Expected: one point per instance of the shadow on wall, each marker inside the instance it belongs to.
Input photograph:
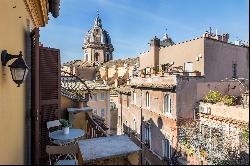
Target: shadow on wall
(152, 152)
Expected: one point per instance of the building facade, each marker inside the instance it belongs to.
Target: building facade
(98, 96)
(172, 81)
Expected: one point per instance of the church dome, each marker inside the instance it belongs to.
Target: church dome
(97, 34)
(166, 41)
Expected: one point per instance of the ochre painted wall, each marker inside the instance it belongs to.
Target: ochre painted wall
(66, 103)
(13, 38)
(179, 54)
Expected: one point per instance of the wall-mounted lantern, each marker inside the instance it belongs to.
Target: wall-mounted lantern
(18, 68)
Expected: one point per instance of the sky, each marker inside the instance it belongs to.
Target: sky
(133, 23)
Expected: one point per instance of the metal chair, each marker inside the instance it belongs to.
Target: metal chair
(53, 124)
(62, 155)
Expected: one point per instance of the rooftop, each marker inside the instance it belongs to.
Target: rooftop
(168, 82)
(236, 114)
(69, 83)
(121, 62)
(124, 89)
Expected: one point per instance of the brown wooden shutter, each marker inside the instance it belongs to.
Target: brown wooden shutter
(50, 92)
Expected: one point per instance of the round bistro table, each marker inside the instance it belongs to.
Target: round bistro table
(74, 134)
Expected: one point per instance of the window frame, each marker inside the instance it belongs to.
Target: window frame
(234, 70)
(134, 98)
(165, 153)
(148, 134)
(102, 96)
(134, 125)
(128, 102)
(147, 100)
(103, 110)
(94, 97)
(169, 105)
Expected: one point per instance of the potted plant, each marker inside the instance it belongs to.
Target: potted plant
(197, 73)
(65, 125)
(213, 97)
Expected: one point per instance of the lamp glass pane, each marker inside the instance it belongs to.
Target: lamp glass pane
(25, 75)
(18, 73)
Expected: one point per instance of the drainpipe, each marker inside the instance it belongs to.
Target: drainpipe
(121, 112)
(141, 126)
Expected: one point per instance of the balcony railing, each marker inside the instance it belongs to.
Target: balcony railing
(93, 129)
(147, 153)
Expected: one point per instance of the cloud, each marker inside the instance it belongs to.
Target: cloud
(126, 9)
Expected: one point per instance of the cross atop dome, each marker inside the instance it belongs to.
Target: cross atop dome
(98, 21)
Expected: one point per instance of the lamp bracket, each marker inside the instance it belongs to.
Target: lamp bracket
(5, 57)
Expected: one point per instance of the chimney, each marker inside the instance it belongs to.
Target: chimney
(155, 48)
(225, 37)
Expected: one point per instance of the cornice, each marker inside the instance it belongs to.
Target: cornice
(38, 11)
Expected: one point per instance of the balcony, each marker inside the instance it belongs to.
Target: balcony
(237, 112)
(147, 153)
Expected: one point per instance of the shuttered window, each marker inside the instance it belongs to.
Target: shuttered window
(167, 148)
(50, 91)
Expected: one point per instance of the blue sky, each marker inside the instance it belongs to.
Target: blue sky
(132, 23)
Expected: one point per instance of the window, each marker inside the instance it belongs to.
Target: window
(119, 120)
(103, 113)
(167, 148)
(102, 96)
(87, 57)
(94, 110)
(134, 97)
(147, 100)
(107, 58)
(134, 125)
(96, 57)
(148, 135)
(234, 67)
(128, 101)
(167, 104)
(94, 97)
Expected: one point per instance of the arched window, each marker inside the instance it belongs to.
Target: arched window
(96, 57)
(147, 100)
(87, 57)
(107, 57)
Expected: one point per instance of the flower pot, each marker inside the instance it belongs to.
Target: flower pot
(66, 130)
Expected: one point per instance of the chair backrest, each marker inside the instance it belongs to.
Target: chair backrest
(54, 123)
(66, 149)
(67, 152)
